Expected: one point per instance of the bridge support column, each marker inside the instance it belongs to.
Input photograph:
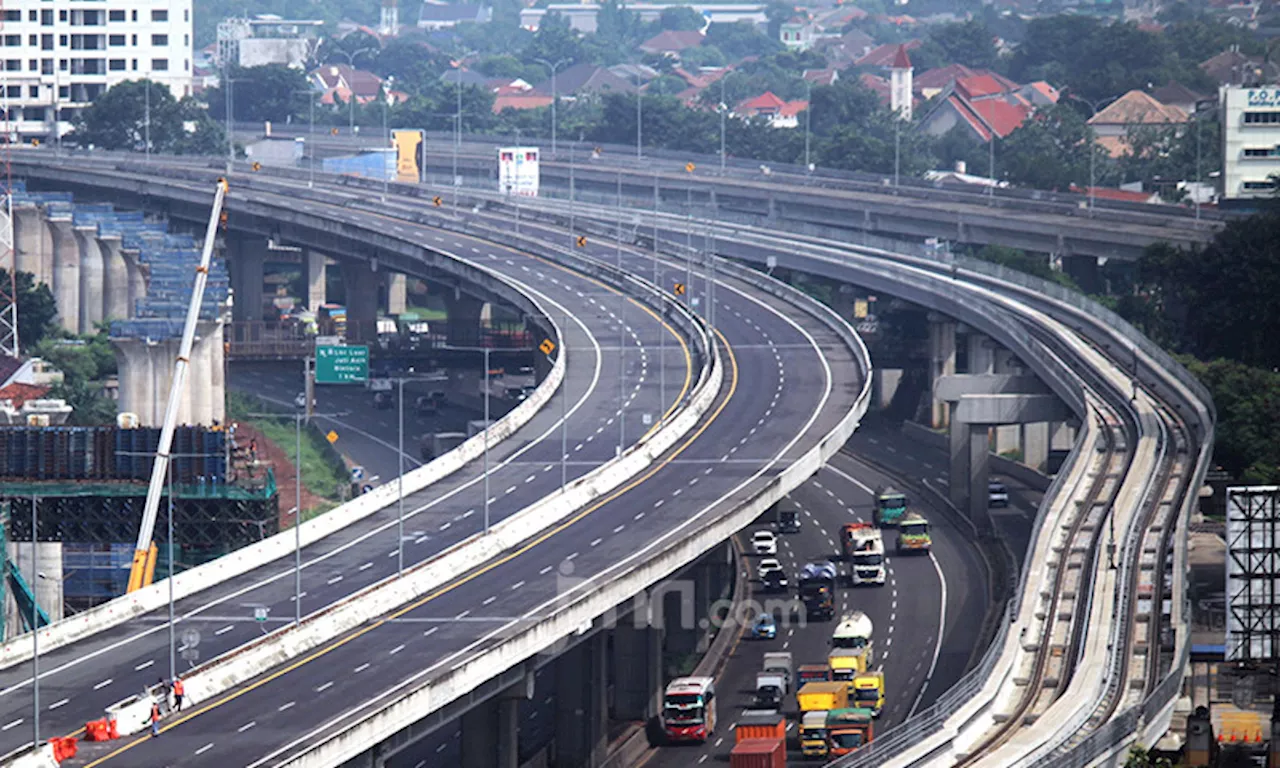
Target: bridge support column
(137, 278)
(397, 292)
(581, 705)
(247, 263)
(66, 273)
(463, 323)
(1035, 445)
(490, 735)
(92, 278)
(31, 250)
(316, 274)
(362, 300)
(637, 668)
(1008, 436)
(115, 281)
(981, 351)
(942, 362)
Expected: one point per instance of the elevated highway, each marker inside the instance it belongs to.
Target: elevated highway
(994, 303)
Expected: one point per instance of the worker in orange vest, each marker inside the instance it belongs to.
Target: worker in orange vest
(155, 719)
(178, 692)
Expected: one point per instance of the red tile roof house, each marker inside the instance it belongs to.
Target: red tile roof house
(671, 42)
(882, 56)
(977, 110)
(779, 113)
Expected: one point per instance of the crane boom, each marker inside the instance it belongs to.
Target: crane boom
(143, 557)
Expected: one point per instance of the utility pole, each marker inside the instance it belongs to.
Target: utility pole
(554, 96)
(147, 124)
(486, 437)
(622, 332)
(808, 121)
(991, 169)
(724, 109)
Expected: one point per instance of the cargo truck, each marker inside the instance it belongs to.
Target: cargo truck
(770, 688)
(913, 535)
(868, 691)
(817, 590)
(848, 729)
(816, 696)
(813, 733)
(812, 673)
(761, 724)
(891, 507)
(864, 548)
(689, 709)
(852, 640)
(759, 753)
(779, 662)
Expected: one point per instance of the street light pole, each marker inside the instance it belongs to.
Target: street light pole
(231, 146)
(573, 147)
(173, 661)
(147, 125)
(386, 138)
(808, 120)
(400, 487)
(622, 333)
(991, 169)
(35, 628)
(724, 110)
(554, 96)
(297, 517)
(564, 415)
(662, 332)
(897, 147)
(457, 139)
(486, 438)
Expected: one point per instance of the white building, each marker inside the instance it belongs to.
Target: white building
(582, 16)
(61, 54)
(1250, 140)
(267, 39)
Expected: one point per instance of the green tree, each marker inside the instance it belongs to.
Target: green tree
(1158, 156)
(36, 308)
(554, 40)
(117, 120)
(1014, 258)
(970, 43)
(1050, 151)
(740, 39)
(358, 49)
(1094, 59)
(1140, 758)
(681, 18)
(270, 92)
(619, 28)
(85, 361)
(778, 13)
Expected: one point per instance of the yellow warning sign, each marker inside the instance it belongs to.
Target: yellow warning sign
(547, 346)
(256, 166)
(332, 437)
(679, 289)
(581, 241)
(437, 201)
(689, 167)
(860, 308)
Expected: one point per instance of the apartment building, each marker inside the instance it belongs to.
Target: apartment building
(59, 55)
(1250, 140)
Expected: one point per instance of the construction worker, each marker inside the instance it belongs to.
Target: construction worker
(178, 692)
(155, 719)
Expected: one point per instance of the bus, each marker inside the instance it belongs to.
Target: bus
(689, 709)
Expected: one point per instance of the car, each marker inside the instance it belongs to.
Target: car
(766, 565)
(997, 494)
(775, 581)
(764, 628)
(764, 543)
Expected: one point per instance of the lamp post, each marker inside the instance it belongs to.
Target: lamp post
(486, 437)
(351, 99)
(386, 138)
(724, 110)
(991, 168)
(622, 332)
(311, 132)
(554, 96)
(457, 139)
(35, 627)
(1094, 107)
(146, 140)
(808, 120)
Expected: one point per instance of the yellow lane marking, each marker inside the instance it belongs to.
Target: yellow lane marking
(733, 388)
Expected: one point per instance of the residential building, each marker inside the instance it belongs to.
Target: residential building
(798, 33)
(1039, 94)
(1250, 140)
(934, 81)
(827, 76)
(267, 39)
(582, 79)
(337, 83)
(670, 42)
(841, 52)
(1134, 109)
(1231, 67)
(436, 15)
(767, 106)
(519, 101)
(582, 16)
(980, 119)
(1175, 94)
(882, 56)
(63, 54)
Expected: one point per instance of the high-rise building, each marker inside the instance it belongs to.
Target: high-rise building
(1250, 140)
(59, 55)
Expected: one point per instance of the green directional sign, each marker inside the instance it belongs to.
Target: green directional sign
(342, 364)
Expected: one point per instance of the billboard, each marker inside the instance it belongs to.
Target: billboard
(1253, 573)
(411, 154)
(518, 171)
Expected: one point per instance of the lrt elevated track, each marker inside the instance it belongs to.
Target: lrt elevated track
(1078, 669)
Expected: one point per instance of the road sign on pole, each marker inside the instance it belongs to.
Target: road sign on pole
(342, 364)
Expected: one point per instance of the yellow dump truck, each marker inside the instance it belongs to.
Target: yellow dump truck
(818, 696)
(813, 733)
(868, 691)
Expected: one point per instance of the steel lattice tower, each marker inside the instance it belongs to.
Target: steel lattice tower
(8, 255)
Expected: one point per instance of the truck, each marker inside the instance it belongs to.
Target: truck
(817, 590)
(812, 673)
(689, 709)
(788, 516)
(868, 691)
(851, 640)
(913, 534)
(813, 733)
(848, 729)
(891, 507)
(761, 724)
(816, 696)
(770, 688)
(779, 662)
(864, 547)
(759, 753)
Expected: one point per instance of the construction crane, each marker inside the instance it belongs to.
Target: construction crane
(144, 555)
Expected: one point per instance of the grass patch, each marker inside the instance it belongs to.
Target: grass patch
(429, 314)
(318, 475)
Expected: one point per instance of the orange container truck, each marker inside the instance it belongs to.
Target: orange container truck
(759, 753)
(761, 724)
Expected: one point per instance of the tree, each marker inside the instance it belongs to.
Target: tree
(1095, 60)
(118, 120)
(358, 49)
(1020, 260)
(740, 39)
(680, 18)
(554, 40)
(1160, 156)
(270, 92)
(778, 13)
(1050, 150)
(36, 308)
(970, 43)
(85, 362)
(617, 27)
(1140, 758)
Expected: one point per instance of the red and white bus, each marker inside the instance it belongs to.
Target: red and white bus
(689, 709)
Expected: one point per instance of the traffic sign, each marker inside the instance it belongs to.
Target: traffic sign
(332, 437)
(357, 473)
(347, 364)
(437, 201)
(679, 289)
(260, 613)
(581, 241)
(689, 167)
(547, 346)
(257, 166)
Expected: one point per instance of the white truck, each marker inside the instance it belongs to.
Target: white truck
(780, 663)
(866, 554)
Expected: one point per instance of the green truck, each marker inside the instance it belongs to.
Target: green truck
(913, 535)
(848, 729)
(891, 507)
